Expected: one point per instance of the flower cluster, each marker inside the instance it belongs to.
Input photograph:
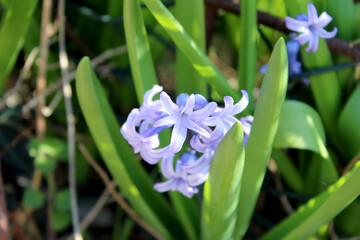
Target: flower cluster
(191, 116)
(311, 27)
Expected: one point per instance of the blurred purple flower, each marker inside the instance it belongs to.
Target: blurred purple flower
(311, 28)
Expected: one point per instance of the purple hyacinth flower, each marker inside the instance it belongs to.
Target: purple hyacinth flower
(180, 180)
(150, 111)
(223, 118)
(312, 28)
(144, 142)
(183, 117)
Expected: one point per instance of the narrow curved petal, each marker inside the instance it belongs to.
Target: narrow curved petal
(296, 25)
(196, 144)
(167, 166)
(211, 121)
(304, 37)
(166, 121)
(164, 186)
(229, 102)
(196, 128)
(189, 107)
(197, 179)
(178, 137)
(204, 112)
(200, 164)
(313, 44)
(325, 34)
(242, 104)
(186, 190)
(324, 20)
(312, 14)
(149, 95)
(168, 104)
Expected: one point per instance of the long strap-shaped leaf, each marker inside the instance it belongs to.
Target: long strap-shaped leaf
(12, 32)
(144, 78)
(221, 191)
(132, 179)
(318, 211)
(190, 13)
(247, 53)
(197, 57)
(142, 66)
(259, 145)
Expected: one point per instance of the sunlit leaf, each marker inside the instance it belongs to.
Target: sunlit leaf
(319, 210)
(264, 127)
(222, 189)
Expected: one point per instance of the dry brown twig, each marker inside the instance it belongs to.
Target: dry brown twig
(70, 77)
(278, 185)
(70, 119)
(115, 194)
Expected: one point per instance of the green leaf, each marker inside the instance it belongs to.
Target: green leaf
(51, 147)
(247, 51)
(33, 198)
(349, 124)
(142, 67)
(320, 210)
(13, 29)
(222, 189)
(190, 14)
(124, 167)
(263, 130)
(44, 163)
(62, 200)
(60, 220)
(300, 127)
(194, 54)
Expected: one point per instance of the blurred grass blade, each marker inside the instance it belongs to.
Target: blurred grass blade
(12, 33)
(132, 179)
(247, 54)
(349, 124)
(190, 13)
(221, 191)
(183, 41)
(142, 66)
(320, 210)
(288, 170)
(264, 127)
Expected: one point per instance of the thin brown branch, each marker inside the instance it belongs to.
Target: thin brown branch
(70, 119)
(351, 164)
(105, 178)
(336, 45)
(16, 140)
